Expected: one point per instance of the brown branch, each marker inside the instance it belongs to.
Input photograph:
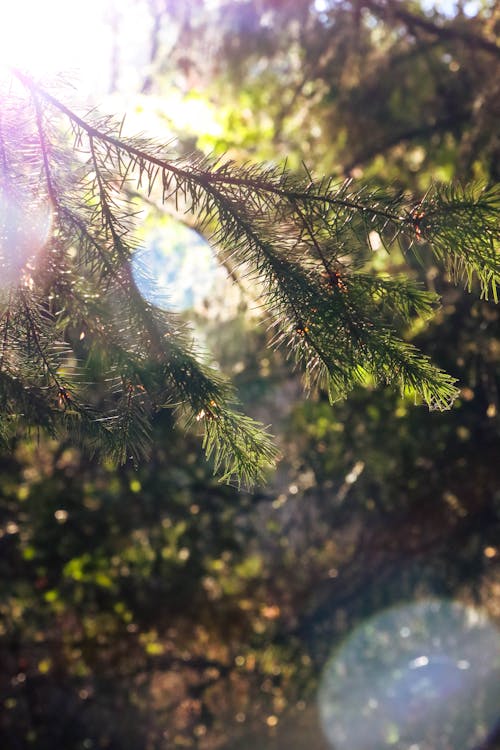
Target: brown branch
(389, 9)
(411, 134)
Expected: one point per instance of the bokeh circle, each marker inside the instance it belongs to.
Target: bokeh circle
(419, 676)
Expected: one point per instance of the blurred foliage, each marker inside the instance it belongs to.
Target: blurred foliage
(155, 608)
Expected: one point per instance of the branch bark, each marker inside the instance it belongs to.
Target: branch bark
(386, 9)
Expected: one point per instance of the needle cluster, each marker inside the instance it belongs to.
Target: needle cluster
(81, 350)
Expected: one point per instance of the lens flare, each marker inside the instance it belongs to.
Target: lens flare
(423, 676)
(24, 230)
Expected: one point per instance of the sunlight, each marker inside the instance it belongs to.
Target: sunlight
(55, 37)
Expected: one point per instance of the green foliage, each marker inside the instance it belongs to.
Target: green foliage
(471, 213)
(73, 317)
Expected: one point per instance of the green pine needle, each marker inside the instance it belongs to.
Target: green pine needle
(81, 351)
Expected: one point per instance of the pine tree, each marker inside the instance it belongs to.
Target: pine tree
(83, 353)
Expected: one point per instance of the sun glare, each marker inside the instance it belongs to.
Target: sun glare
(55, 36)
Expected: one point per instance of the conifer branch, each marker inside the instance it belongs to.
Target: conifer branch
(305, 241)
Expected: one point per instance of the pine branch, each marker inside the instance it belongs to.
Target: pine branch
(305, 241)
(462, 226)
